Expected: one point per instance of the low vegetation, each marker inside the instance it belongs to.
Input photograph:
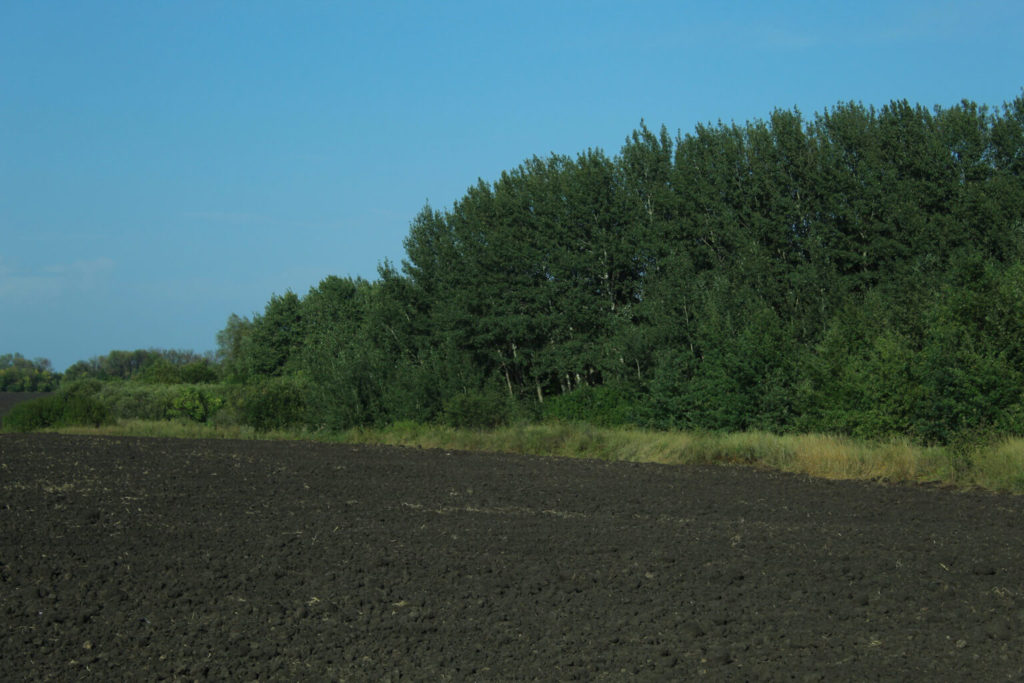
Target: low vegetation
(59, 410)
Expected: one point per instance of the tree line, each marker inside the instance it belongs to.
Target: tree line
(152, 366)
(18, 373)
(858, 272)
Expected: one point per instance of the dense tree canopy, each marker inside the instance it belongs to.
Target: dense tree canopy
(18, 373)
(859, 272)
(165, 366)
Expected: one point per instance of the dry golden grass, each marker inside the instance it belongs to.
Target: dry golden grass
(998, 467)
(1001, 466)
(838, 457)
(818, 455)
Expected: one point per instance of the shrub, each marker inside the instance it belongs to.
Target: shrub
(138, 401)
(966, 446)
(60, 410)
(199, 372)
(605, 406)
(84, 411)
(29, 416)
(272, 404)
(160, 371)
(485, 409)
(82, 387)
(194, 403)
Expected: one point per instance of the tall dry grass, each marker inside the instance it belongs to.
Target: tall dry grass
(1000, 467)
(996, 467)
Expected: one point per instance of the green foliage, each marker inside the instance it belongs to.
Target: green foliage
(856, 272)
(85, 411)
(968, 449)
(272, 404)
(160, 372)
(33, 415)
(273, 340)
(194, 404)
(59, 410)
(485, 409)
(138, 400)
(18, 373)
(605, 406)
(156, 366)
(82, 387)
(199, 372)
(231, 345)
(163, 371)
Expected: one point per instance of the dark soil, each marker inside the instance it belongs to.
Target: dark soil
(156, 559)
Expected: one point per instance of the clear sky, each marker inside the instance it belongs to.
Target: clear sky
(165, 164)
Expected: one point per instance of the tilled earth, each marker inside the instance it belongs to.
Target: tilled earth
(158, 559)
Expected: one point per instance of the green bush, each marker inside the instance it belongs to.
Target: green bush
(194, 403)
(159, 371)
(82, 387)
(966, 446)
(60, 410)
(162, 371)
(604, 406)
(29, 416)
(140, 400)
(483, 410)
(199, 372)
(84, 411)
(272, 404)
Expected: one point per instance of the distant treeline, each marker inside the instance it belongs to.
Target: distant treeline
(18, 373)
(153, 366)
(858, 272)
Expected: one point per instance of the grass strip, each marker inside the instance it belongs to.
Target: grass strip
(994, 466)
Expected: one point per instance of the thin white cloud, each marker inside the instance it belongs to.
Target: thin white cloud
(955, 22)
(18, 287)
(48, 282)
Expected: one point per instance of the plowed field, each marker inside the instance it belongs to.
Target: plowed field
(154, 559)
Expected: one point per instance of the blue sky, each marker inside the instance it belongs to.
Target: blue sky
(165, 164)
